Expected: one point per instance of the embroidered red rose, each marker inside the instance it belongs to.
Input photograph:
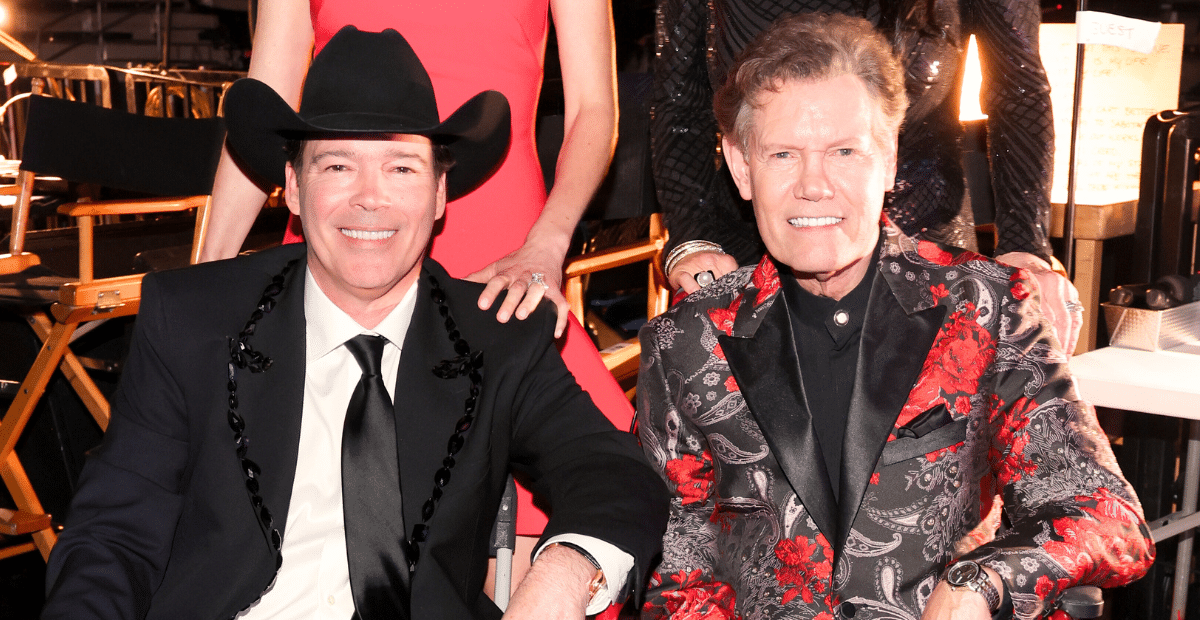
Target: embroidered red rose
(939, 292)
(693, 477)
(731, 384)
(965, 350)
(766, 280)
(962, 404)
(875, 478)
(933, 253)
(700, 600)
(807, 575)
(723, 317)
(1020, 287)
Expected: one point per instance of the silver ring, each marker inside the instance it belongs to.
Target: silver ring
(1074, 306)
(538, 278)
(704, 278)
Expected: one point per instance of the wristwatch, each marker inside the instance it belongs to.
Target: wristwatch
(970, 574)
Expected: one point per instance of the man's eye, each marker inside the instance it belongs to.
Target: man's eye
(335, 168)
(403, 169)
(845, 151)
(781, 155)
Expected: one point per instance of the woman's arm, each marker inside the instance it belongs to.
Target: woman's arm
(282, 50)
(585, 42)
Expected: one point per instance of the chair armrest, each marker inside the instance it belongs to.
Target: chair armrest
(612, 258)
(139, 206)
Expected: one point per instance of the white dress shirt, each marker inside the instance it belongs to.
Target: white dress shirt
(314, 579)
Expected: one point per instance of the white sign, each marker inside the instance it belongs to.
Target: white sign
(1108, 29)
(1121, 90)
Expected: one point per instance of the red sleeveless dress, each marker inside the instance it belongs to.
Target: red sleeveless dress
(470, 46)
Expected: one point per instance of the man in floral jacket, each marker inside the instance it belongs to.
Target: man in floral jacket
(864, 425)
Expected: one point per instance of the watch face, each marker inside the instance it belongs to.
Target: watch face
(962, 573)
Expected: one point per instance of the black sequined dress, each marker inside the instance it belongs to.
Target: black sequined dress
(697, 41)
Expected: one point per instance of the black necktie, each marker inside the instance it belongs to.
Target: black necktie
(375, 539)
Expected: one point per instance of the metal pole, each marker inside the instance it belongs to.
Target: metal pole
(1183, 553)
(1069, 211)
(166, 36)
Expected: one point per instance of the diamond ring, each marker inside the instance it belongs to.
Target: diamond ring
(538, 278)
(704, 278)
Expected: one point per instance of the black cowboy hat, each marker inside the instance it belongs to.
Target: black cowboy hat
(367, 83)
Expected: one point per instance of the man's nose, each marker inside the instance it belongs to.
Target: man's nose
(813, 183)
(369, 192)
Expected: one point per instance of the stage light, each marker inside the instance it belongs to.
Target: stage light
(968, 103)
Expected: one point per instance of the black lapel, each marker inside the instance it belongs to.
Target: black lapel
(272, 402)
(426, 407)
(768, 372)
(892, 351)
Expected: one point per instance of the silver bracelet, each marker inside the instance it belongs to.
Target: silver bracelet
(688, 248)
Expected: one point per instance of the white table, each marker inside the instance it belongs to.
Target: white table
(1163, 383)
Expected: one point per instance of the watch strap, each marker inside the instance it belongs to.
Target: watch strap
(980, 583)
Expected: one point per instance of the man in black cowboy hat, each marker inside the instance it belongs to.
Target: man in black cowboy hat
(256, 465)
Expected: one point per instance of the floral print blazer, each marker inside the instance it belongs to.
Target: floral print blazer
(965, 439)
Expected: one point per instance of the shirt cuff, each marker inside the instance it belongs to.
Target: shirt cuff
(615, 563)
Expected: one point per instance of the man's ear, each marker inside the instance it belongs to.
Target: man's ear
(441, 197)
(291, 189)
(738, 165)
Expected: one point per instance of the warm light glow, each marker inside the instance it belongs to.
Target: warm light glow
(3, 15)
(968, 103)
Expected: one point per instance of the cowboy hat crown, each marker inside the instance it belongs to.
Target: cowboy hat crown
(367, 83)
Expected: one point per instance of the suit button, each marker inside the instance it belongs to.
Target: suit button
(847, 610)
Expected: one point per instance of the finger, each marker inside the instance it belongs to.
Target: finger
(688, 283)
(561, 306)
(483, 275)
(564, 314)
(533, 295)
(516, 292)
(723, 264)
(492, 290)
(674, 278)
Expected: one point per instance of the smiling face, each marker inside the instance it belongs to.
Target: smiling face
(816, 166)
(368, 207)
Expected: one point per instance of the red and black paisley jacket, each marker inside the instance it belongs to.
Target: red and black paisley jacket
(963, 411)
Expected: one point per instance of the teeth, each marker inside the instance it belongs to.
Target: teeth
(809, 222)
(367, 235)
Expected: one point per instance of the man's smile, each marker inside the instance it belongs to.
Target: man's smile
(813, 222)
(367, 235)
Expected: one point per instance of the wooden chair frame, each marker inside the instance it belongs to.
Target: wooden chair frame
(78, 304)
(622, 360)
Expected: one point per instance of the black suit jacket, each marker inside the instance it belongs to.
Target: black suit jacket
(163, 527)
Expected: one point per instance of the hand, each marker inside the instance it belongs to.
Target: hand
(961, 604)
(515, 273)
(1060, 300)
(555, 588)
(684, 274)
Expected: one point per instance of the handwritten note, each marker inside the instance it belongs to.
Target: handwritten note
(1108, 29)
(1121, 89)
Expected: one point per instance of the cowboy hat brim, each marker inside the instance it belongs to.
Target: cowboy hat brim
(260, 122)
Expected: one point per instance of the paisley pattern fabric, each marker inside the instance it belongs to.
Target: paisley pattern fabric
(697, 41)
(980, 420)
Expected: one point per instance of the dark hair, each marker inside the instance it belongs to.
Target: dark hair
(443, 157)
(811, 47)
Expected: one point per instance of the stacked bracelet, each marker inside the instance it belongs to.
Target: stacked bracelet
(688, 248)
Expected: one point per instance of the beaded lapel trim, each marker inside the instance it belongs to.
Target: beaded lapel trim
(245, 357)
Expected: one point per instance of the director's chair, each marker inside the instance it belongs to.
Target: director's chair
(126, 152)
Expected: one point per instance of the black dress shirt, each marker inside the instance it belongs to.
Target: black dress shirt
(826, 333)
